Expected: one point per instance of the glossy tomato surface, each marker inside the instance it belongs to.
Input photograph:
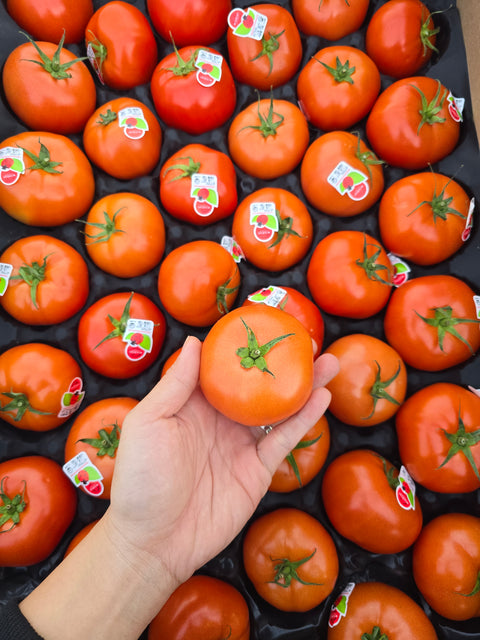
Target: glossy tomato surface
(329, 19)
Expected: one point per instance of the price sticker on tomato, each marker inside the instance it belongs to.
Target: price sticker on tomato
(83, 473)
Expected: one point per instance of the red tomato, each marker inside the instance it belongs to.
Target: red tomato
(38, 504)
(193, 89)
(423, 217)
(121, 45)
(121, 334)
(198, 282)
(337, 87)
(414, 123)
(446, 565)
(40, 386)
(77, 538)
(49, 282)
(203, 607)
(45, 179)
(265, 56)
(350, 274)
(432, 322)
(329, 19)
(198, 184)
(291, 559)
(273, 227)
(372, 381)
(123, 138)
(340, 176)
(438, 438)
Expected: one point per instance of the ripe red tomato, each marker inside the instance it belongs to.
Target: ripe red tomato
(123, 138)
(372, 381)
(45, 179)
(267, 365)
(273, 227)
(193, 89)
(401, 37)
(340, 176)
(78, 537)
(414, 123)
(446, 565)
(438, 437)
(202, 607)
(125, 234)
(337, 87)
(266, 53)
(40, 386)
(268, 138)
(121, 45)
(432, 322)
(423, 217)
(291, 559)
(329, 19)
(198, 184)
(350, 274)
(193, 300)
(121, 334)
(37, 506)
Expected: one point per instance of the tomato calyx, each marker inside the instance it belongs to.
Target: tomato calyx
(444, 322)
(462, 442)
(367, 157)
(186, 170)
(340, 72)
(107, 118)
(11, 507)
(53, 66)
(269, 46)
(378, 390)
(106, 229)
(106, 443)
(32, 274)
(440, 205)
(20, 404)
(119, 325)
(42, 161)
(290, 458)
(369, 265)
(284, 229)
(429, 110)
(267, 126)
(376, 634)
(391, 473)
(286, 571)
(254, 354)
(183, 67)
(222, 292)
(426, 34)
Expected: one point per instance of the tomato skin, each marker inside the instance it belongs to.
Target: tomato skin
(202, 608)
(248, 395)
(416, 341)
(321, 159)
(292, 534)
(446, 564)
(423, 423)
(248, 57)
(355, 399)
(61, 293)
(330, 19)
(44, 374)
(46, 199)
(51, 503)
(393, 124)
(331, 103)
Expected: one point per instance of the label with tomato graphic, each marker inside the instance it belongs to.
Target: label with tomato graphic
(469, 221)
(401, 270)
(133, 122)
(339, 607)
(95, 62)
(11, 165)
(233, 248)
(247, 23)
(271, 296)
(476, 302)
(349, 181)
(204, 193)
(209, 67)
(405, 491)
(84, 474)
(5, 273)
(455, 107)
(264, 220)
(72, 398)
(138, 336)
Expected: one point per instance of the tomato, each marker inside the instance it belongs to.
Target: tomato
(198, 282)
(192, 22)
(350, 274)
(372, 610)
(40, 386)
(337, 87)
(96, 431)
(193, 89)
(266, 53)
(202, 608)
(372, 382)
(48, 88)
(446, 565)
(439, 437)
(414, 123)
(432, 322)
(49, 282)
(268, 138)
(78, 537)
(123, 138)
(296, 304)
(273, 228)
(45, 179)
(305, 461)
(125, 234)
(401, 37)
(121, 45)
(340, 176)
(198, 184)
(291, 559)
(266, 360)
(121, 334)
(37, 505)
(329, 19)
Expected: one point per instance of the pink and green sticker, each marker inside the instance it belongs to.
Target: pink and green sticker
(5, 273)
(349, 181)
(264, 220)
(132, 120)
(455, 107)
(11, 165)
(340, 606)
(405, 491)
(138, 338)
(84, 474)
(233, 248)
(204, 193)
(72, 398)
(247, 23)
(209, 67)
(272, 296)
(401, 270)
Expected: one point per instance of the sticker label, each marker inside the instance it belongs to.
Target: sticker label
(5, 273)
(84, 474)
(209, 67)
(469, 221)
(133, 122)
(405, 491)
(264, 220)
(455, 107)
(233, 248)
(138, 336)
(11, 165)
(94, 62)
(339, 607)
(348, 181)
(476, 302)
(204, 193)
(271, 296)
(401, 270)
(247, 23)
(72, 398)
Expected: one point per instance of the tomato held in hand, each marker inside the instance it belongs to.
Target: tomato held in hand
(329, 19)
(257, 365)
